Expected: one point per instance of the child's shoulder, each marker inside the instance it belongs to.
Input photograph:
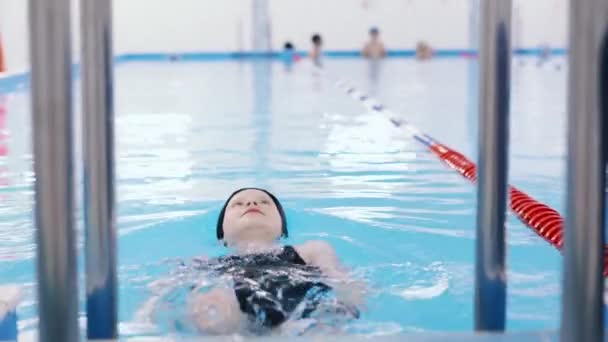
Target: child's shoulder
(315, 250)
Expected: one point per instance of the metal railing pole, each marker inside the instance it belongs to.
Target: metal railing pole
(51, 82)
(582, 301)
(495, 59)
(98, 139)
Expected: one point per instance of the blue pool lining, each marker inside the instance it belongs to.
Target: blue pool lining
(211, 56)
(12, 82)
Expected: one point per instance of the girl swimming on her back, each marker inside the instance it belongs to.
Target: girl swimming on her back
(271, 283)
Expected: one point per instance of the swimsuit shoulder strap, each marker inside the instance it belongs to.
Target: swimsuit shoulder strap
(290, 254)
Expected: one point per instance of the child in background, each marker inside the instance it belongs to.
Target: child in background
(374, 48)
(315, 53)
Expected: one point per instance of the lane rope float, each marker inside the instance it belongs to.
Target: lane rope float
(539, 217)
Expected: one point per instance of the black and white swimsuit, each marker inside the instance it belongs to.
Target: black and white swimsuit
(273, 287)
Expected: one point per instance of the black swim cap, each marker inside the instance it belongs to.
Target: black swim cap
(220, 219)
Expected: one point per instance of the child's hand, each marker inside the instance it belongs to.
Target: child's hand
(351, 292)
(216, 312)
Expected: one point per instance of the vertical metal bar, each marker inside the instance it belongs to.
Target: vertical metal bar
(98, 123)
(261, 35)
(582, 315)
(473, 76)
(474, 25)
(495, 59)
(53, 165)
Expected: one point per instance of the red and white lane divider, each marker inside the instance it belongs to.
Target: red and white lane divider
(542, 219)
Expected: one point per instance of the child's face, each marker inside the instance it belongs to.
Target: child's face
(251, 216)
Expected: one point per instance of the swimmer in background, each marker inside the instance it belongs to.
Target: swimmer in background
(271, 283)
(374, 51)
(316, 52)
(423, 51)
(544, 55)
(374, 48)
(288, 50)
(289, 56)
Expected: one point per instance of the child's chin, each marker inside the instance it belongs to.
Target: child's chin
(257, 233)
(254, 225)
(256, 221)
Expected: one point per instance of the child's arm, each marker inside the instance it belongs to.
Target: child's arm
(322, 254)
(365, 51)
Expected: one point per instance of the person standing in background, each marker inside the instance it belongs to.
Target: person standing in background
(423, 51)
(2, 63)
(374, 48)
(315, 53)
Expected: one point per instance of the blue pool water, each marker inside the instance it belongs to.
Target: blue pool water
(189, 133)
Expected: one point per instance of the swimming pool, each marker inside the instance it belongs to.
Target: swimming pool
(189, 133)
